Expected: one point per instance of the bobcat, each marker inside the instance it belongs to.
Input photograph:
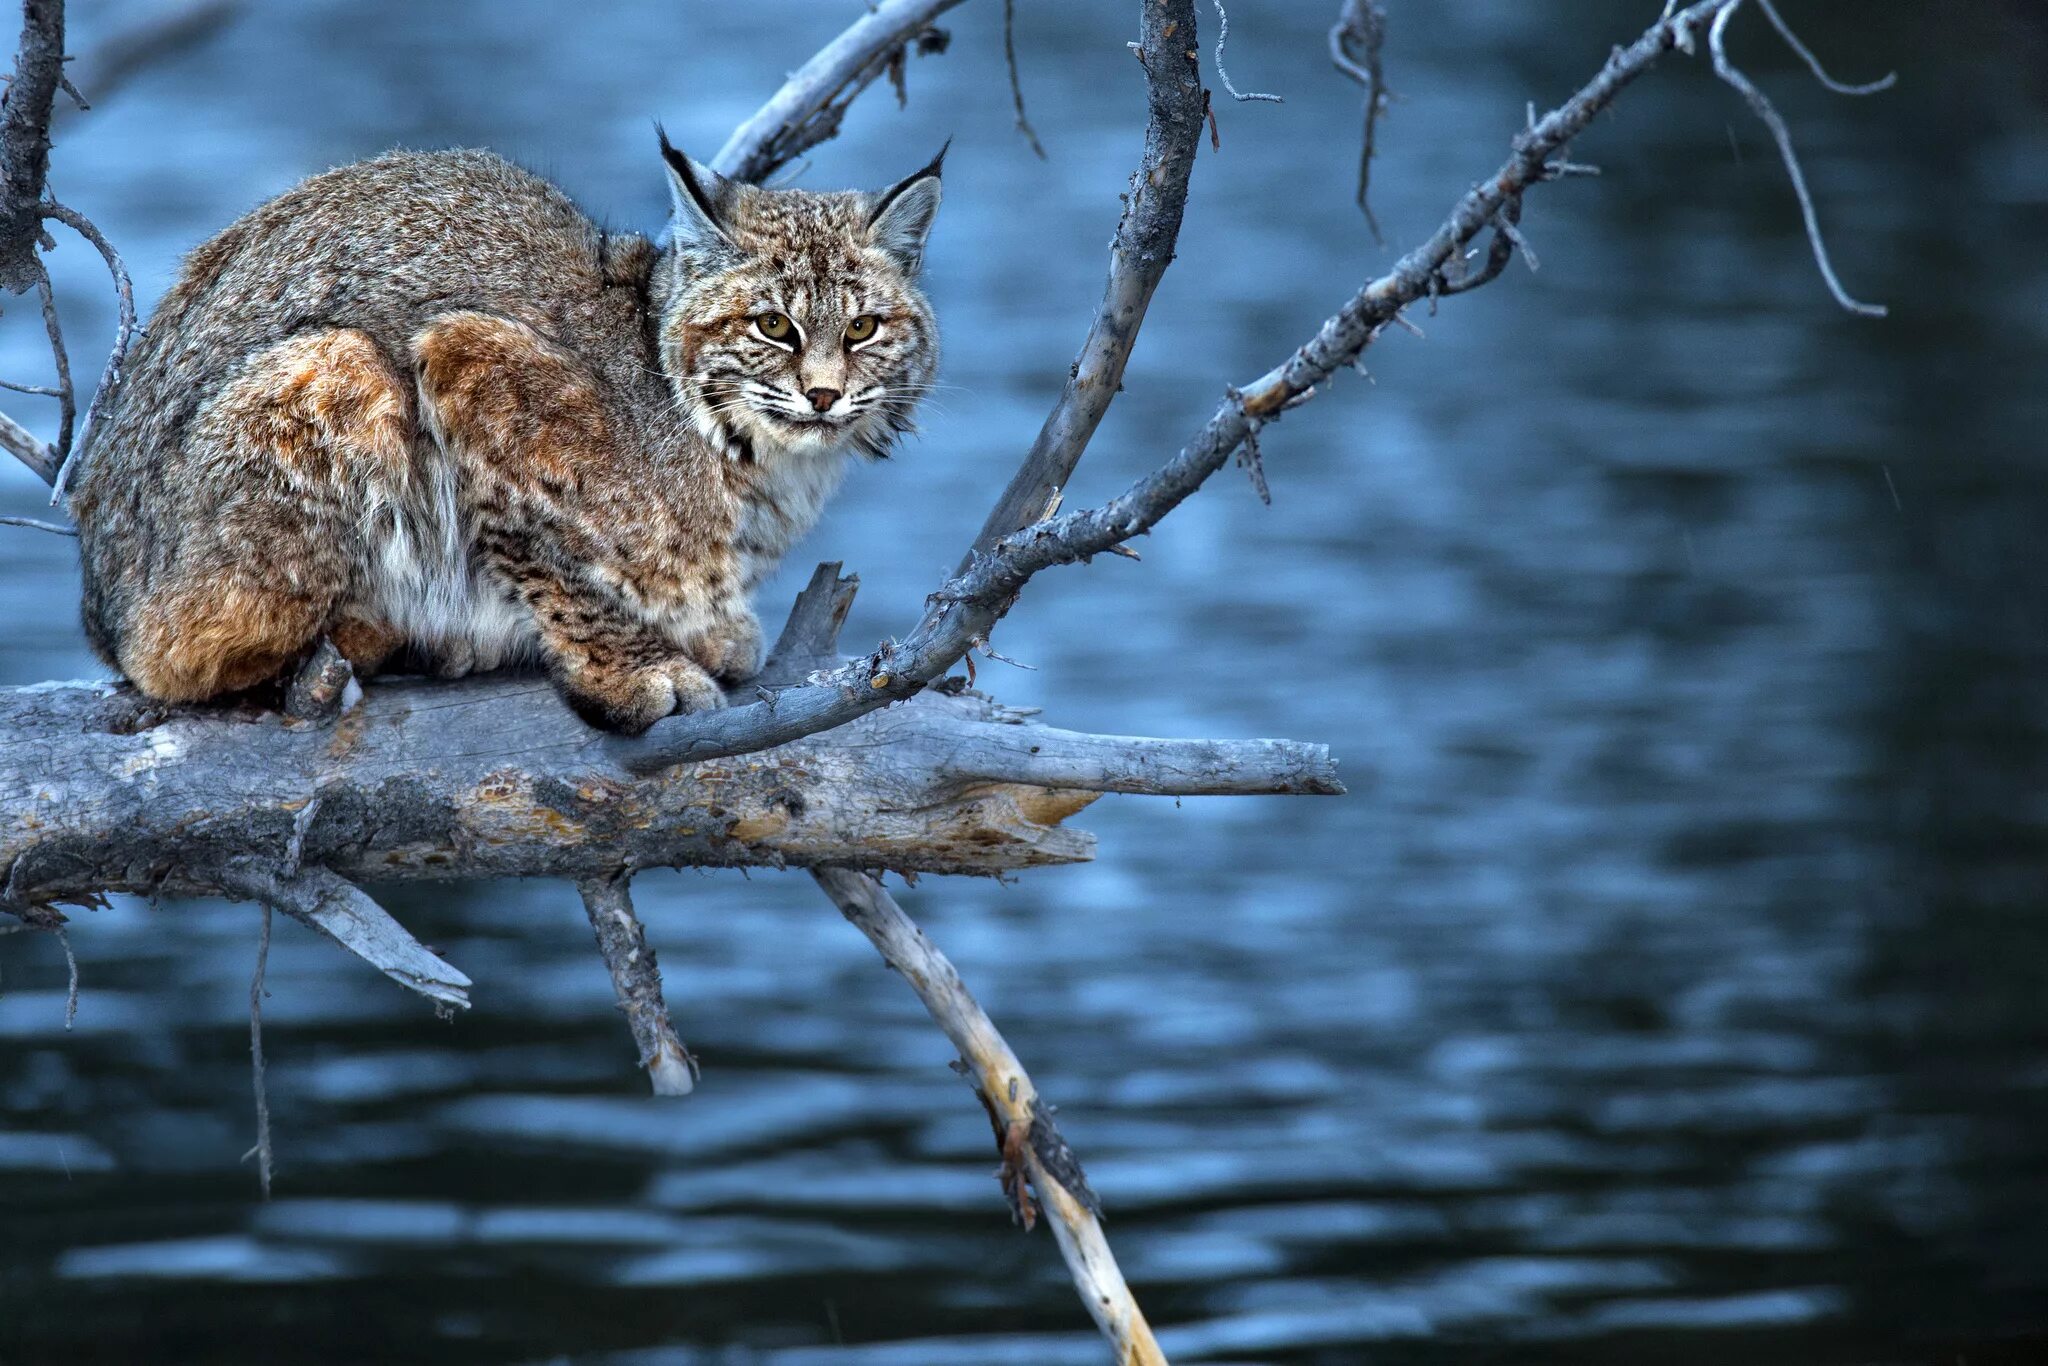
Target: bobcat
(422, 404)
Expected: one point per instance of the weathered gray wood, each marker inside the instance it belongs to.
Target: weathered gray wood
(808, 108)
(1027, 1139)
(346, 914)
(494, 777)
(636, 982)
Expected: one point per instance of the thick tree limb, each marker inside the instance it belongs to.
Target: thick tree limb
(494, 777)
(808, 108)
(1026, 1137)
(636, 981)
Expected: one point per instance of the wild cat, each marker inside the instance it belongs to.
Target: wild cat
(422, 404)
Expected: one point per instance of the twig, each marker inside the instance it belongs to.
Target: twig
(1820, 73)
(1016, 85)
(34, 525)
(70, 991)
(124, 334)
(261, 1152)
(67, 401)
(1026, 1136)
(1361, 28)
(1222, 33)
(320, 686)
(636, 982)
(1498, 254)
(1774, 121)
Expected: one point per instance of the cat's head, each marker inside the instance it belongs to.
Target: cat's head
(793, 322)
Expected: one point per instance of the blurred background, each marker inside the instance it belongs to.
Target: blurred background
(1672, 986)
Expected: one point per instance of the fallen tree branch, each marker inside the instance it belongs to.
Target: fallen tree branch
(1026, 1137)
(494, 777)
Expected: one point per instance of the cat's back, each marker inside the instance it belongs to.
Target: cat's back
(383, 247)
(385, 244)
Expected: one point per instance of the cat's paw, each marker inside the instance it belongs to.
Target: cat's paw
(630, 700)
(731, 650)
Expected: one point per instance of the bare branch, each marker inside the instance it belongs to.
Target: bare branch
(1223, 33)
(636, 982)
(71, 965)
(1046, 757)
(30, 450)
(1139, 255)
(257, 1068)
(344, 912)
(67, 402)
(1775, 121)
(965, 608)
(34, 525)
(1355, 43)
(124, 335)
(1820, 73)
(1017, 85)
(431, 780)
(808, 108)
(1026, 1137)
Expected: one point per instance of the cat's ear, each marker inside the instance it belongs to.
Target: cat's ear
(699, 194)
(903, 213)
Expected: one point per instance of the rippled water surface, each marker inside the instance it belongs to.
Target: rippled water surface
(1673, 984)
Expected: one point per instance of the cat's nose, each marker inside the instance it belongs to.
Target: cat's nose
(821, 399)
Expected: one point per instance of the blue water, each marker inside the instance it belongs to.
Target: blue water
(1673, 984)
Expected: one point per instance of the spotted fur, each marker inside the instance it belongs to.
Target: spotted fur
(422, 405)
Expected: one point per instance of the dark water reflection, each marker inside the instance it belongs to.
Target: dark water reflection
(1674, 985)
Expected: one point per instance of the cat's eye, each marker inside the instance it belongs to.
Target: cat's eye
(862, 328)
(776, 327)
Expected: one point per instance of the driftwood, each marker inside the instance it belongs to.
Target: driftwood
(843, 767)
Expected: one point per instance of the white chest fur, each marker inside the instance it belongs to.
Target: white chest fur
(782, 494)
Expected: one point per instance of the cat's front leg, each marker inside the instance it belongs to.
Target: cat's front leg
(730, 647)
(614, 670)
(527, 425)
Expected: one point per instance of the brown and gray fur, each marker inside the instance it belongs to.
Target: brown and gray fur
(422, 404)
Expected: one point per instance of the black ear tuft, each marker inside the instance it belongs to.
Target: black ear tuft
(696, 191)
(903, 213)
(930, 171)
